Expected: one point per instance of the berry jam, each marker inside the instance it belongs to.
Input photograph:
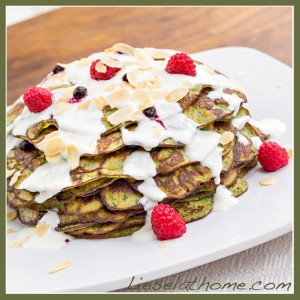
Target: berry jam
(67, 240)
(79, 92)
(151, 113)
(57, 69)
(26, 146)
(124, 78)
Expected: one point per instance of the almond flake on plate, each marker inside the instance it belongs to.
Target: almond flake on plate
(267, 181)
(41, 229)
(19, 243)
(73, 156)
(53, 158)
(176, 95)
(84, 105)
(226, 137)
(132, 77)
(121, 115)
(100, 67)
(14, 178)
(100, 103)
(9, 230)
(109, 87)
(61, 266)
(11, 215)
(164, 245)
(159, 54)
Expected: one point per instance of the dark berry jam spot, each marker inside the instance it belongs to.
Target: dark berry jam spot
(79, 92)
(26, 146)
(124, 78)
(58, 69)
(150, 112)
(67, 240)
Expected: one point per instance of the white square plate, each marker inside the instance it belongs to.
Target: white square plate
(262, 213)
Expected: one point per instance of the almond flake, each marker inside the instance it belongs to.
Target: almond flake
(11, 215)
(100, 103)
(187, 84)
(144, 65)
(73, 156)
(176, 95)
(124, 48)
(164, 245)
(54, 147)
(41, 229)
(109, 87)
(267, 181)
(9, 230)
(60, 267)
(159, 54)
(109, 49)
(142, 85)
(155, 132)
(53, 158)
(100, 67)
(19, 243)
(159, 93)
(289, 150)
(121, 115)
(84, 105)
(132, 77)
(154, 84)
(113, 63)
(118, 98)
(48, 137)
(84, 62)
(140, 95)
(61, 109)
(226, 137)
(157, 72)
(9, 173)
(14, 178)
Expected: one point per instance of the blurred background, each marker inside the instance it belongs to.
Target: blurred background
(64, 34)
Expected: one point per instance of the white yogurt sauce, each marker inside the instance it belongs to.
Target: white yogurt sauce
(204, 148)
(256, 142)
(242, 139)
(12, 142)
(240, 122)
(48, 179)
(273, 127)
(51, 240)
(139, 165)
(223, 199)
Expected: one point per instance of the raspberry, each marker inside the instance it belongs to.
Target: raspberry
(272, 156)
(37, 99)
(181, 63)
(166, 222)
(110, 72)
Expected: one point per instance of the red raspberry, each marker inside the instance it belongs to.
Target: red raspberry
(110, 72)
(166, 222)
(181, 63)
(272, 156)
(37, 99)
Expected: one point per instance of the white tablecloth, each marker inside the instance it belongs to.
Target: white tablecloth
(271, 263)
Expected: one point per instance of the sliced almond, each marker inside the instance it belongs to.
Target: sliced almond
(140, 95)
(109, 50)
(226, 137)
(100, 67)
(84, 62)
(48, 137)
(132, 77)
(176, 95)
(121, 115)
(267, 181)
(84, 105)
(124, 48)
(109, 87)
(19, 243)
(53, 158)
(54, 147)
(61, 109)
(157, 72)
(9, 230)
(289, 150)
(100, 102)
(60, 267)
(154, 84)
(141, 85)
(144, 65)
(118, 98)
(164, 245)
(11, 215)
(159, 54)
(187, 84)
(73, 156)
(155, 132)
(14, 178)
(9, 173)
(41, 229)
(111, 62)
(159, 93)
